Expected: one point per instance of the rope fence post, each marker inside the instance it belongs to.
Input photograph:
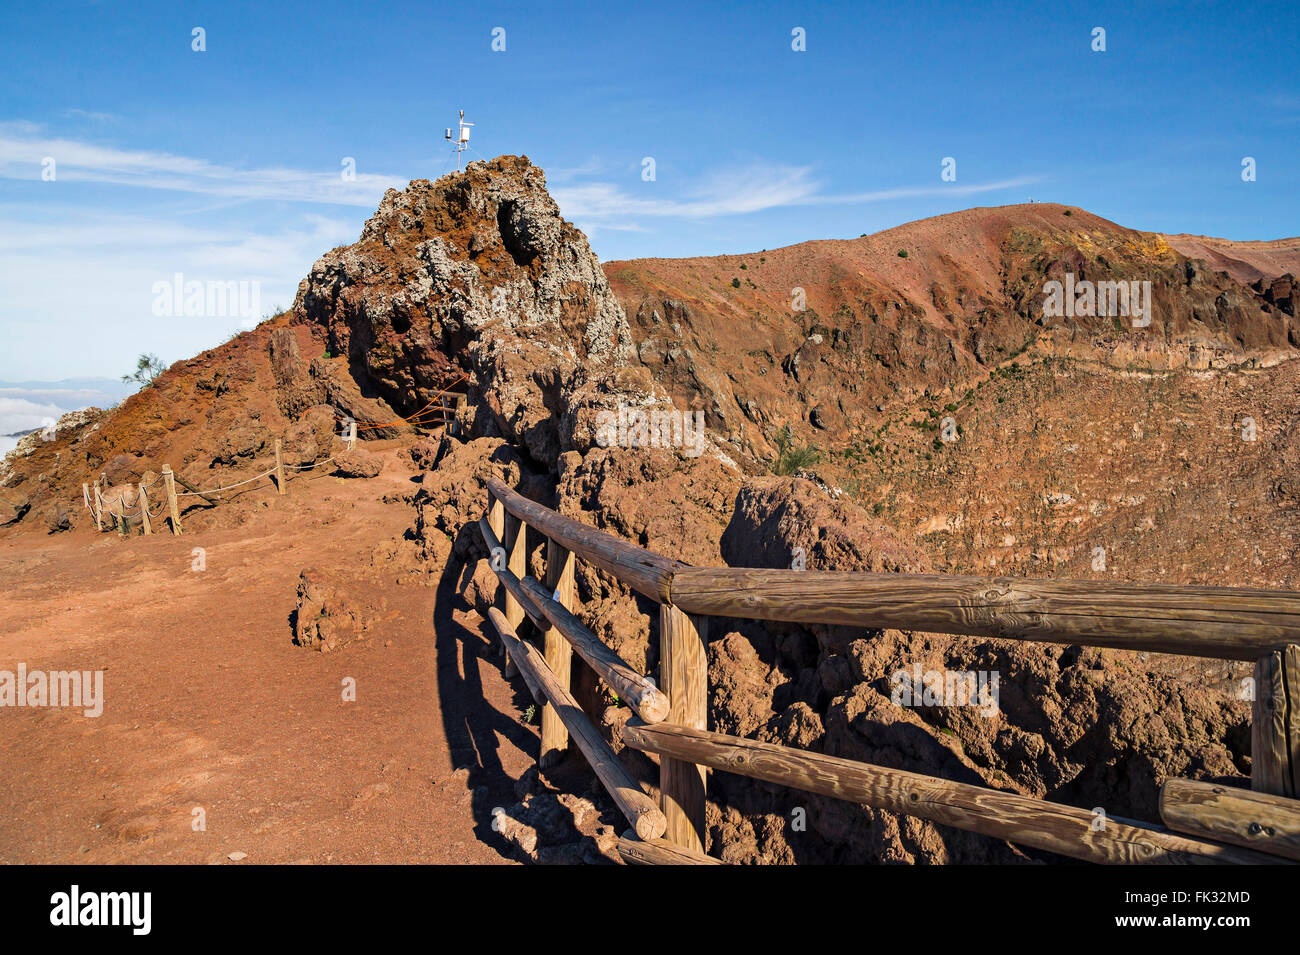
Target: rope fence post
(96, 509)
(169, 480)
(352, 436)
(144, 512)
(279, 468)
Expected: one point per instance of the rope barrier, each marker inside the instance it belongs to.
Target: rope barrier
(116, 507)
(228, 487)
(410, 419)
(308, 467)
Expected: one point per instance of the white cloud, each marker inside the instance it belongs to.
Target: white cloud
(733, 191)
(23, 148)
(19, 413)
(737, 190)
(77, 292)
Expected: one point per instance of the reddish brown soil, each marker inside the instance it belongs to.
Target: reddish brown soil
(1244, 261)
(209, 703)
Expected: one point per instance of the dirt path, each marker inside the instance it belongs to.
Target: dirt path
(210, 706)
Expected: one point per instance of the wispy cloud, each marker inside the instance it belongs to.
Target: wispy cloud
(24, 149)
(740, 190)
(732, 191)
(91, 115)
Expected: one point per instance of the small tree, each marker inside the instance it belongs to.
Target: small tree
(147, 370)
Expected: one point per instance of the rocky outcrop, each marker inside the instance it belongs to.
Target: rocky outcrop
(1087, 727)
(328, 617)
(475, 273)
(358, 464)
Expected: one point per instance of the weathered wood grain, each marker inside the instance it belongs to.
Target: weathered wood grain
(1056, 828)
(169, 482)
(634, 689)
(642, 570)
(509, 582)
(684, 669)
(659, 852)
(1198, 621)
(1228, 814)
(145, 523)
(1275, 724)
(517, 562)
(638, 808)
(558, 650)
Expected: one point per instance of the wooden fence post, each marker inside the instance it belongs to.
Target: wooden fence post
(558, 651)
(279, 468)
(352, 435)
(144, 512)
(169, 481)
(97, 508)
(684, 672)
(1275, 724)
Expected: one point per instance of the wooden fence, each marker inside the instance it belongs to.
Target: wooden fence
(125, 507)
(1203, 822)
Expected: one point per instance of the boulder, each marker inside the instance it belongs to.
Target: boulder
(358, 464)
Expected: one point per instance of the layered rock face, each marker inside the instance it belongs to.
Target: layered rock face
(833, 337)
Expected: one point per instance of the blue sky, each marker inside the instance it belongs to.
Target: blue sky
(225, 165)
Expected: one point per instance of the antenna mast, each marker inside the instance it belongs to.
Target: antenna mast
(462, 137)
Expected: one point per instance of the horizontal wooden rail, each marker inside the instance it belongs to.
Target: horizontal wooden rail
(640, 810)
(511, 582)
(1240, 816)
(660, 852)
(639, 692)
(1197, 621)
(642, 570)
(500, 624)
(1032, 822)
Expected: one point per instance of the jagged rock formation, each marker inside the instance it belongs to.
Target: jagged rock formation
(474, 273)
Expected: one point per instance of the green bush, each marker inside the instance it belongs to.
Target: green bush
(792, 457)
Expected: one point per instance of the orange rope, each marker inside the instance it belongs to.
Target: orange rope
(412, 419)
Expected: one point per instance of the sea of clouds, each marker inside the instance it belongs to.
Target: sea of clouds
(26, 405)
